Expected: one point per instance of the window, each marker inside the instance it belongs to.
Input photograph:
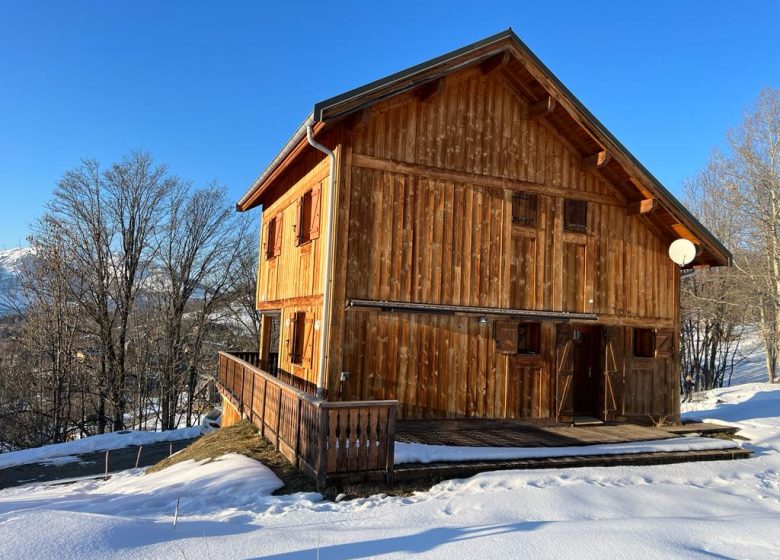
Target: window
(518, 338)
(529, 338)
(524, 209)
(307, 226)
(644, 343)
(575, 215)
(273, 237)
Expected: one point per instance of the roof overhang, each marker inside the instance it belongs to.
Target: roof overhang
(334, 109)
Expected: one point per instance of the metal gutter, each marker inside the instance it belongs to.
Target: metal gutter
(327, 287)
(529, 314)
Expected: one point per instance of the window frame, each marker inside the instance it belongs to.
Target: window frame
(532, 210)
(643, 348)
(572, 207)
(533, 336)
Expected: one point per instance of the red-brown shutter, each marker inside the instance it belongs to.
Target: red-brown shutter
(298, 226)
(314, 232)
(265, 248)
(278, 236)
(291, 337)
(308, 340)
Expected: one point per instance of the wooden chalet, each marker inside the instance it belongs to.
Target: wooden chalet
(465, 239)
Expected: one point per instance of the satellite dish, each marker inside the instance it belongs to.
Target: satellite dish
(682, 252)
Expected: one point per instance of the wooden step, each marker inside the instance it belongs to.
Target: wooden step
(411, 471)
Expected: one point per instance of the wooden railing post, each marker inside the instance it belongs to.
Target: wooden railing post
(278, 417)
(262, 418)
(390, 465)
(241, 398)
(298, 434)
(322, 454)
(252, 400)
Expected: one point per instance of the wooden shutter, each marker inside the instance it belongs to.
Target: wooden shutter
(298, 225)
(291, 337)
(308, 340)
(278, 235)
(564, 366)
(664, 343)
(266, 247)
(506, 337)
(314, 232)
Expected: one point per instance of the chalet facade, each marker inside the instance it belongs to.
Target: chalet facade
(465, 238)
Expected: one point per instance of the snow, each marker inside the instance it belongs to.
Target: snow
(114, 440)
(723, 509)
(422, 453)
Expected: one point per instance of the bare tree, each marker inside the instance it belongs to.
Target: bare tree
(755, 168)
(108, 220)
(199, 245)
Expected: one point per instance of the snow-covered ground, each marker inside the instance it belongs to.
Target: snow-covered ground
(728, 509)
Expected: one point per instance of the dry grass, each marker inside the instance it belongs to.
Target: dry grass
(243, 438)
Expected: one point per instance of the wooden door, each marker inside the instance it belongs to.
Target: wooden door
(612, 404)
(564, 378)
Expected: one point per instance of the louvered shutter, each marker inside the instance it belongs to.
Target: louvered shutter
(298, 227)
(291, 336)
(266, 246)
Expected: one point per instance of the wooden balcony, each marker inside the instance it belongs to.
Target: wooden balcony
(324, 439)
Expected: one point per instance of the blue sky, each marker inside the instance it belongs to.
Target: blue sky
(214, 89)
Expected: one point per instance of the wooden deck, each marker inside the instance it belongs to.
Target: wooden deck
(479, 433)
(482, 433)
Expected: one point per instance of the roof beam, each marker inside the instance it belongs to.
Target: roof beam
(543, 107)
(428, 90)
(495, 62)
(642, 206)
(597, 160)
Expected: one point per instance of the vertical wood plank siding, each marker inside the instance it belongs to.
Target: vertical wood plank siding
(430, 221)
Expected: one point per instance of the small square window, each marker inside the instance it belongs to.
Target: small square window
(524, 209)
(529, 338)
(644, 343)
(575, 215)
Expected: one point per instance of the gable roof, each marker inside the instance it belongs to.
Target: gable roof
(536, 83)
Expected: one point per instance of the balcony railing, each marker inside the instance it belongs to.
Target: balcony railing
(324, 439)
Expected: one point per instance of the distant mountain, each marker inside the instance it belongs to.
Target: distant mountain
(11, 263)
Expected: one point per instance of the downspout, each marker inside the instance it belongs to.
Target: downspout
(327, 285)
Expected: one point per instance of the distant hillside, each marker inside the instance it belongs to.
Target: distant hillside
(11, 263)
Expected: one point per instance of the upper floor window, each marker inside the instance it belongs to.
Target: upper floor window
(273, 237)
(524, 209)
(575, 215)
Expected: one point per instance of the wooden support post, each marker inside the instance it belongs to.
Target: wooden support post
(542, 108)
(642, 206)
(138, 457)
(597, 160)
(241, 398)
(105, 477)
